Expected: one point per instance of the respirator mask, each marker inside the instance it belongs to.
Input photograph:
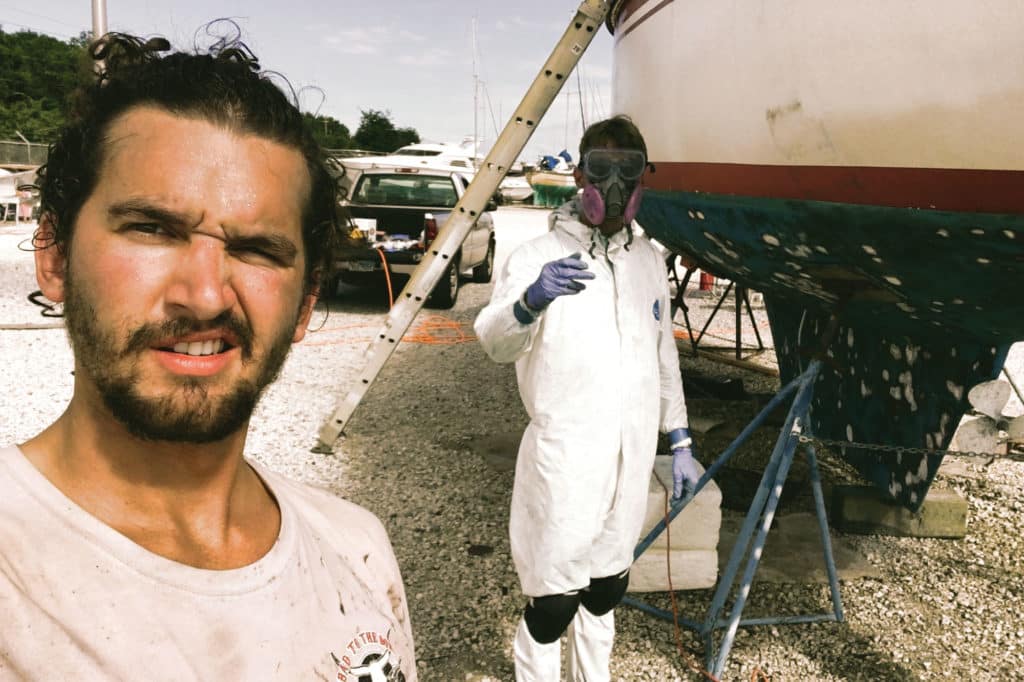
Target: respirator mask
(614, 188)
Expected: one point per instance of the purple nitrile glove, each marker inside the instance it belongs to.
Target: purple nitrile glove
(685, 474)
(558, 278)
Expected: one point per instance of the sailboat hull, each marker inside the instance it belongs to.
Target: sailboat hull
(551, 188)
(851, 167)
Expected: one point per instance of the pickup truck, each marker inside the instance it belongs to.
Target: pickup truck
(396, 213)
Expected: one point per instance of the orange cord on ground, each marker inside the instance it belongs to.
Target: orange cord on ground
(755, 674)
(717, 333)
(387, 278)
(435, 330)
(438, 330)
(687, 657)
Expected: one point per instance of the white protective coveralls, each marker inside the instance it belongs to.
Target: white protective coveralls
(599, 376)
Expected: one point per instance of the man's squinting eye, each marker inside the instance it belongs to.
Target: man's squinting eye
(158, 230)
(262, 251)
(249, 254)
(146, 228)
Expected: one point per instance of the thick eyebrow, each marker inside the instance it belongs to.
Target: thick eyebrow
(280, 247)
(149, 210)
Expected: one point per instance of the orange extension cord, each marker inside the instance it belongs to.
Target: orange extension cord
(688, 658)
(432, 330)
(387, 278)
(435, 330)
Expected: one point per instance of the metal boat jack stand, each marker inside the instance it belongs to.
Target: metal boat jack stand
(759, 519)
(742, 295)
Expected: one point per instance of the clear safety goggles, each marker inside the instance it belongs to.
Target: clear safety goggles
(598, 164)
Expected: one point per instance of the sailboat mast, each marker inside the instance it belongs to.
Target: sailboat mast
(565, 129)
(476, 89)
(579, 92)
(99, 18)
(99, 26)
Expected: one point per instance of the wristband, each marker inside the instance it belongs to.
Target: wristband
(522, 311)
(526, 304)
(681, 437)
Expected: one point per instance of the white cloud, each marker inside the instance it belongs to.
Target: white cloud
(596, 72)
(350, 47)
(434, 56)
(527, 26)
(372, 40)
(405, 35)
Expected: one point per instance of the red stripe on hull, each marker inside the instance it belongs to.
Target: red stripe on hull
(946, 189)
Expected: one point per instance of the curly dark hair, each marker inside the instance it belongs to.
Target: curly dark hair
(224, 86)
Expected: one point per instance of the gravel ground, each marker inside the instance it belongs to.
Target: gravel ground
(429, 451)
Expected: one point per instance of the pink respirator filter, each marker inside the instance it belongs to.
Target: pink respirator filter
(594, 210)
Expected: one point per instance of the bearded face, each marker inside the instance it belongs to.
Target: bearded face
(194, 409)
(183, 281)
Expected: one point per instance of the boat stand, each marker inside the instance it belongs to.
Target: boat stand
(742, 299)
(759, 518)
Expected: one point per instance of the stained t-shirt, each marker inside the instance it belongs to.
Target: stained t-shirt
(80, 601)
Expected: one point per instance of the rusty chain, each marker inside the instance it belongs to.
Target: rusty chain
(903, 449)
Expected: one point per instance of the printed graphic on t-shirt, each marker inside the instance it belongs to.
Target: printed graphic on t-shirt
(369, 657)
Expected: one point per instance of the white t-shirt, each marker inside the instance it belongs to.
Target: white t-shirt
(80, 601)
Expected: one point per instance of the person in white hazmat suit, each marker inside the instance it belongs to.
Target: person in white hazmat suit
(584, 313)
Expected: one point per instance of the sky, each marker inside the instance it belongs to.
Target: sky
(412, 58)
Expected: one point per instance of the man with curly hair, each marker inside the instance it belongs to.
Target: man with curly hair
(187, 215)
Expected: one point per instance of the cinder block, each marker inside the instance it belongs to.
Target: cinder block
(697, 526)
(692, 569)
(864, 510)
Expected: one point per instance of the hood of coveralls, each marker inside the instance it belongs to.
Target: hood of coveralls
(567, 219)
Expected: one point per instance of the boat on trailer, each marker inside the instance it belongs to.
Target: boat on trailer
(861, 166)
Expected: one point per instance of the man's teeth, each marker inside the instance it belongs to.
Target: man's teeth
(200, 347)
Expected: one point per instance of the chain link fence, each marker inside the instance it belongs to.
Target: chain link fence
(14, 153)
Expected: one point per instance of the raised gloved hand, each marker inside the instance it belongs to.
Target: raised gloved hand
(558, 278)
(685, 474)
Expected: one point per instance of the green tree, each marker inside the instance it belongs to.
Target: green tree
(404, 136)
(329, 132)
(38, 76)
(377, 132)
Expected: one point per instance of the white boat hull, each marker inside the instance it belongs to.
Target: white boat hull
(918, 84)
(515, 188)
(859, 164)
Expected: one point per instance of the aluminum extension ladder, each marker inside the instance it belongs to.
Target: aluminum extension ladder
(577, 37)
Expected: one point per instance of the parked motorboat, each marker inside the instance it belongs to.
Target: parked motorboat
(436, 154)
(515, 188)
(854, 160)
(424, 155)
